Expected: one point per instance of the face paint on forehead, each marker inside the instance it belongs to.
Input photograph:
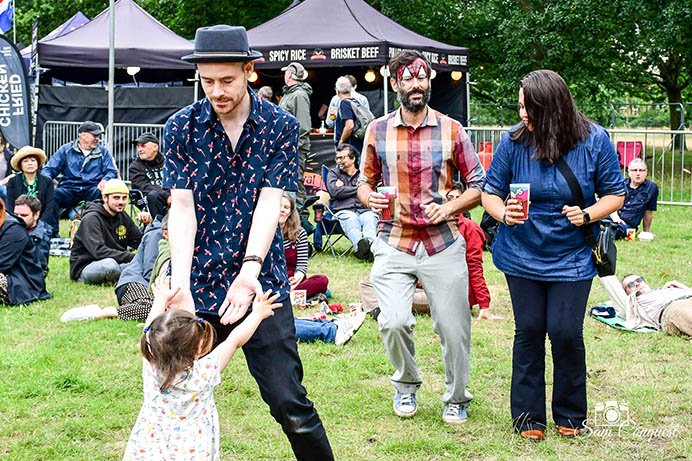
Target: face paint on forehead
(417, 68)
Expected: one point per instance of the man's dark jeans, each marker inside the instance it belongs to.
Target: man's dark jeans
(157, 203)
(69, 197)
(272, 358)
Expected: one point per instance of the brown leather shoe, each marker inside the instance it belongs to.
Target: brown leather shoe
(567, 431)
(533, 434)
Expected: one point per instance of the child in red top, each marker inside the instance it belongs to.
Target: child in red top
(473, 234)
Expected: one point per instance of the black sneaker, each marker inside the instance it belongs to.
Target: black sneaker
(363, 248)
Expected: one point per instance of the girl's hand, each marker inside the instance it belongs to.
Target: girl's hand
(514, 213)
(265, 306)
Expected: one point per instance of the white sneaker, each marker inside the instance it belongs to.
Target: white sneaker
(88, 312)
(346, 327)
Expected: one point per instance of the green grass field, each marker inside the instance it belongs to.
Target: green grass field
(73, 391)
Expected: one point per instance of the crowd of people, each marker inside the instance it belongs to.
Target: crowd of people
(218, 260)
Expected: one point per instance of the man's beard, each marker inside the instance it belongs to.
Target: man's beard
(414, 107)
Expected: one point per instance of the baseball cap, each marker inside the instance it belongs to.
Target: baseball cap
(296, 69)
(90, 127)
(145, 138)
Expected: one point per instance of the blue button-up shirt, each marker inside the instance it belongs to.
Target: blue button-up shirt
(547, 246)
(80, 171)
(226, 184)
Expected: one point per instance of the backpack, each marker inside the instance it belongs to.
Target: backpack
(363, 116)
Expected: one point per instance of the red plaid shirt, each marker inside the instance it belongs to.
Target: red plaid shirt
(420, 163)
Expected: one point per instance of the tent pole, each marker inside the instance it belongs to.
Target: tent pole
(468, 99)
(386, 93)
(111, 78)
(196, 86)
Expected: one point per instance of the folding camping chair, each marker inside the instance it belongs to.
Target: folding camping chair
(327, 225)
(628, 151)
(138, 200)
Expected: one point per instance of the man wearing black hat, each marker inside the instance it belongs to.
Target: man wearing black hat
(228, 159)
(296, 100)
(85, 166)
(146, 174)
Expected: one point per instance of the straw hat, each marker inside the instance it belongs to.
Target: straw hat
(25, 152)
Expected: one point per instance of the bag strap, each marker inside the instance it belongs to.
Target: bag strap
(573, 184)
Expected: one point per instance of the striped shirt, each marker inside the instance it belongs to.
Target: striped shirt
(301, 247)
(420, 163)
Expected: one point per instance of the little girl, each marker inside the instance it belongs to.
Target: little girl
(178, 419)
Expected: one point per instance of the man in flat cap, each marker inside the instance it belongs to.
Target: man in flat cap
(146, 174)
(296, 100)
(228, 159)
(85, 166)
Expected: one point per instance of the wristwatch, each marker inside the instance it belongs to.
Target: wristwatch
(587, 217)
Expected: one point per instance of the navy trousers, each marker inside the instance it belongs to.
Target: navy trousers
(272, 358)
(555, 308)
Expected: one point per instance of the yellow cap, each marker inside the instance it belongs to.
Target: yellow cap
(115, 186)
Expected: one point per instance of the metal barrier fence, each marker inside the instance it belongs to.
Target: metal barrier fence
(55, 134)
(668, 155)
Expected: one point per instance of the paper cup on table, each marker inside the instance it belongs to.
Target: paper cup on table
(521, 193)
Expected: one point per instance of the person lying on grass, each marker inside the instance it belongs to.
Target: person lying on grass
(179, 374)
(668, 308)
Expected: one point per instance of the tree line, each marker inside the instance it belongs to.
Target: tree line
(604, 49)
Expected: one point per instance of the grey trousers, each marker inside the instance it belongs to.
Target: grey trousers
(101, 271)
(444, 277)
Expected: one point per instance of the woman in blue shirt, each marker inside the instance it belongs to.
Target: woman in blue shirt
(544, 257)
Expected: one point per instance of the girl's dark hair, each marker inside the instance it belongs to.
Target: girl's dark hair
(291, 228)
(172, 341)
(557, 124)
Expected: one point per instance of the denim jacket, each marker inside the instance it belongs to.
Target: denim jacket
(79, 170)
(547, 246)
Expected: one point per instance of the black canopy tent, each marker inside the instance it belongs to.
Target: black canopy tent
(81, 56)
(337, 37)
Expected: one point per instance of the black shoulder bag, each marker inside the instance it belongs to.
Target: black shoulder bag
(603, 248)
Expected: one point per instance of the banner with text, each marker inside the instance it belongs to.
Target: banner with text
(15, 122)
(353, 56)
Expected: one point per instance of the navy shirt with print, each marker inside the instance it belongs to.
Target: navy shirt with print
(226, 183)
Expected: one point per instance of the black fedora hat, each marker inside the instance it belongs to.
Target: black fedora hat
(221, 43)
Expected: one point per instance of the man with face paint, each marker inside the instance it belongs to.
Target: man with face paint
(417, 150)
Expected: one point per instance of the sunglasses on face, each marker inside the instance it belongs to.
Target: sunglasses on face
(634, 282)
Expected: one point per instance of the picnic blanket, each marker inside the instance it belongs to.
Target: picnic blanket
(617, 322)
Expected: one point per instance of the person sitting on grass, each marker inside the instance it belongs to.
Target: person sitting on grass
(133, 289)
(296, 250)
(179, 373)
(100, 245)
(668, 309)
(28, 208)
(28, 161)
(21, 276)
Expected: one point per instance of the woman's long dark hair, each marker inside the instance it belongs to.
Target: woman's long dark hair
(557, 124)
(291, 229)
